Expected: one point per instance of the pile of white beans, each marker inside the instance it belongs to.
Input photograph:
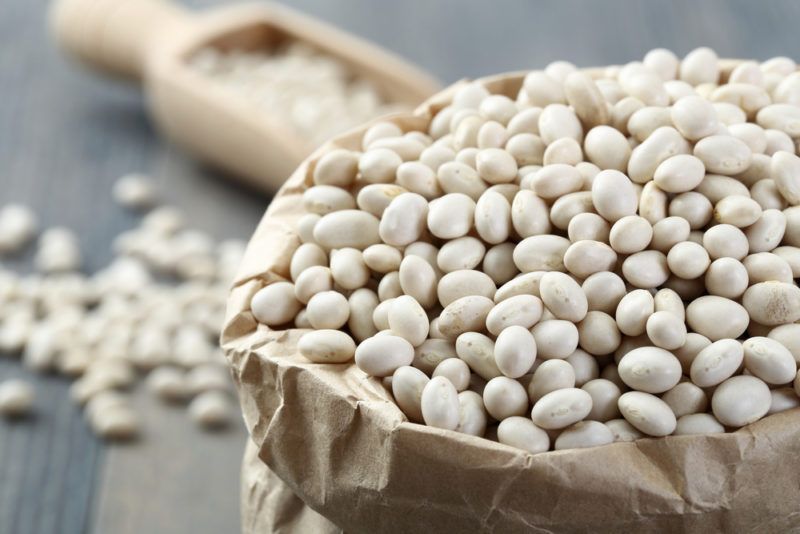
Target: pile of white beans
(610, 255)
(312, 92)
(153, 314)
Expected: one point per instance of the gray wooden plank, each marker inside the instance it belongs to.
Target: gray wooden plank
(46, 462)
(457, 38)
(176, 478)
(65, 136)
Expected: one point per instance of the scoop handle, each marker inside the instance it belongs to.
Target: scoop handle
(115, 36)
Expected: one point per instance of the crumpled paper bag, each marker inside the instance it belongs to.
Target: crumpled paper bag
(269, 505)
(336, 440)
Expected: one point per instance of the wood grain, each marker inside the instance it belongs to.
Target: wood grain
(176, 478)
(65, 136)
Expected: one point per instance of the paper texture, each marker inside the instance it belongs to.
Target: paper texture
(269, 505)
(337, 440)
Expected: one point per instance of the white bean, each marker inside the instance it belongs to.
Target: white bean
(379, 165)
(504, 397)
(439, 404)
(772, 303)
(478, 351)
(347, 228)
(604, 291)
(769, 360)
(586, 99)
(496, 166)
(322, 199)
(451, 216)
(666, 330)
(327, 310)
(679, 173)
(700, 66)
(702, 316)
(337, 167)
(493, 217)
(568, 206)
(382, 258)
(694, 117)
(404, 219)
(585, 258)
(613, 195)
(598, 333)
(781, 117)
(555, 338)
(561, 408)
(556, 180)
(211, 409)
(725, 241)
(686, 398)
(432, 352)
(786, 173)
(630, 234)
(418, 279)
(783, 399)
(456, 371)
(550, 376)
(647, 269)
(408, 320)
(647, 413)
(522, 433)
(362, 303)
(518, 310)
(462, 253)
(605, 395)
(716, 363)
(541, 253)
(515, 351)
(408, 383)
(457, 177)
(741, 400)
(472, 414)
(529, 214)
(565, 150)
(723, 154)
(16, 398)
(650, 369)
(275, 304)
(633, 311)
(740, 211)
(588, 227)
(692, 207)
(563, 296)
(698, 423)
(768, 231)
(688, 260)
(462, 283)
(663, 143)
(523, 284)
(767, 267)
(557, 121)
(584, 434)
(623, 431)
(645, 120)
(653, 203)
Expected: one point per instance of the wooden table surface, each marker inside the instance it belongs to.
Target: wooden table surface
(65, 136)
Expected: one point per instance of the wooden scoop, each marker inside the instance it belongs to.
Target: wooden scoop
(151, 41)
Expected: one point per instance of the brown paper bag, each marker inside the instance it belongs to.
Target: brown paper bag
(269, 505)
(337, 440)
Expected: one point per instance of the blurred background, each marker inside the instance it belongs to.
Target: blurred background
(67, 135)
